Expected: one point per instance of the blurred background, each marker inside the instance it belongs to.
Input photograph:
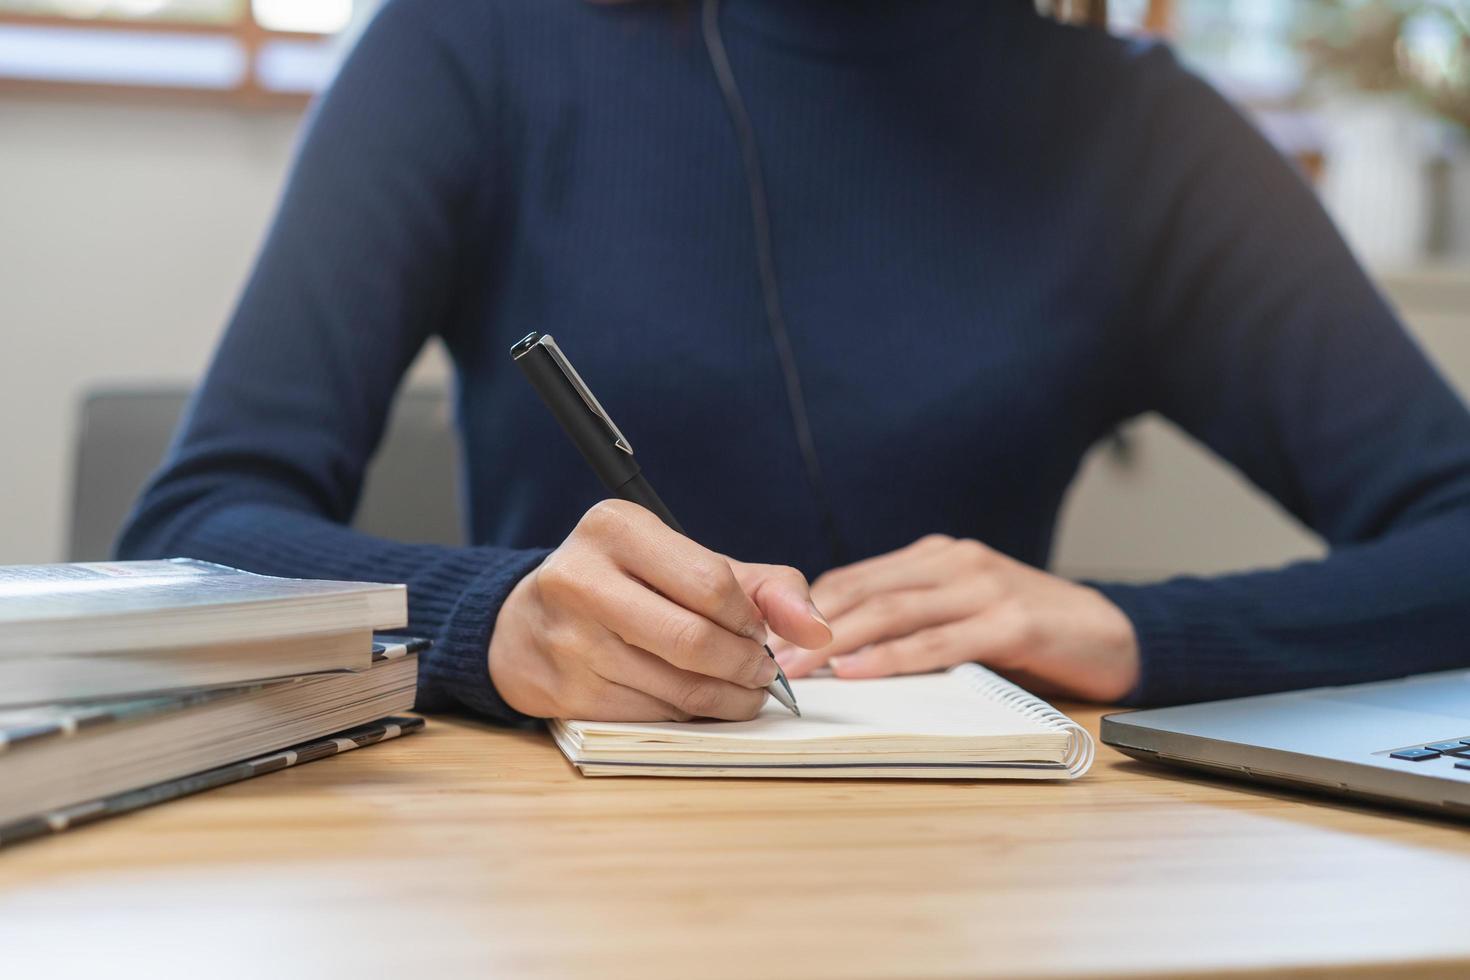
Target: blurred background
(143, 144)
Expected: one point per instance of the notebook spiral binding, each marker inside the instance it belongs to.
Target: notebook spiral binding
(1080, 747)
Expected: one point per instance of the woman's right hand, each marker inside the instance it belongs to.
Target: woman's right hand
(629, 620)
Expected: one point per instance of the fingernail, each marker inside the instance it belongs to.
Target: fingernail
(846, 660)
(817, 614)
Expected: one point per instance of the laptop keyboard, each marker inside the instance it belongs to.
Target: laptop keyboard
(1456, 748)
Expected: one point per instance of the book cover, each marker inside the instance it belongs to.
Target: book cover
(65, 818)
(85, 609)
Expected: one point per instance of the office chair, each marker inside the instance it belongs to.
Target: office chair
(410, 493)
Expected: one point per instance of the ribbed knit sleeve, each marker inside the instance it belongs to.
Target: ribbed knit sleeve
(1259, 335)
(454, 593)
(357, 272)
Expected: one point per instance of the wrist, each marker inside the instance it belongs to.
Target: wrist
(510, 639)
(1110, 638)
(459, 655)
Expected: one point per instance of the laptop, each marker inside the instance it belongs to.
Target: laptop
(1403, 742)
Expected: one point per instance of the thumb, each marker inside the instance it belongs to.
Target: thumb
(785, 600)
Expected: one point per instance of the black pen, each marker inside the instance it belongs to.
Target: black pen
(601, 443)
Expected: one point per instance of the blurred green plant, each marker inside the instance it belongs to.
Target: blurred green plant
(1420, 49)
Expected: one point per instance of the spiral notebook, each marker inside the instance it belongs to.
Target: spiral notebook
(965, 723)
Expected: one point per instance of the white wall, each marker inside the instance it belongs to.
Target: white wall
(126, 231)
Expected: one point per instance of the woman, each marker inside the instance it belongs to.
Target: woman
(863, 281)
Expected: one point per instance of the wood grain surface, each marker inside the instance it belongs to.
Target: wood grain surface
(471, 851)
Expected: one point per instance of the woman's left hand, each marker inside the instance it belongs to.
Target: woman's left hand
(942, 601)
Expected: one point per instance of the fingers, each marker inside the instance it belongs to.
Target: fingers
(784, 599)
(645, 619)
(693, 694)
(929, 649)
(614, 702)
(694, 577)
(910, 567)
(630, 619)
(883, 617)
(935, 580)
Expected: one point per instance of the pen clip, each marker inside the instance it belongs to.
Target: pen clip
(619, 440)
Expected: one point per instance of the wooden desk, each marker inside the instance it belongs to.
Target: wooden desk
(471, 851)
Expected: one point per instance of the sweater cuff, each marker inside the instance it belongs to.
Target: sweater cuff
(460, 659)
(1182, 656)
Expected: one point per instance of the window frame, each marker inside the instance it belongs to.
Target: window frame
(248, 94)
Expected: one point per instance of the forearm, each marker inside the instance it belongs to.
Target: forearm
(454, 594)
(1398, 605)
(360, 268)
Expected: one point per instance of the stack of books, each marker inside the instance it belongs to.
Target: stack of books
(129, 683)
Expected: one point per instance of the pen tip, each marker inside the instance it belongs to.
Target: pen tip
(782, 693)
(780, 688)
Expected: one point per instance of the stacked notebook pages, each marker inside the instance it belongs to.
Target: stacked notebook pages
(966, 723)
(248, 674)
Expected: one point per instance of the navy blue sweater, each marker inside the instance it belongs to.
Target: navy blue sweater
(997, 237)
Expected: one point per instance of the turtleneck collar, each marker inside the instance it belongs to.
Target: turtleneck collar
(854, 26)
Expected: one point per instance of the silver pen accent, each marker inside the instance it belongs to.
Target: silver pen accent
(619, 440)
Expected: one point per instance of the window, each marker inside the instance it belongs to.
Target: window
(249, 51)
(1244, 45)
(1265, 49)
(1371, 97)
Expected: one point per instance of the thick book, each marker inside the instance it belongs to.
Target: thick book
(965, 723)
(115, 628)
(56, 756)
(65, 818)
